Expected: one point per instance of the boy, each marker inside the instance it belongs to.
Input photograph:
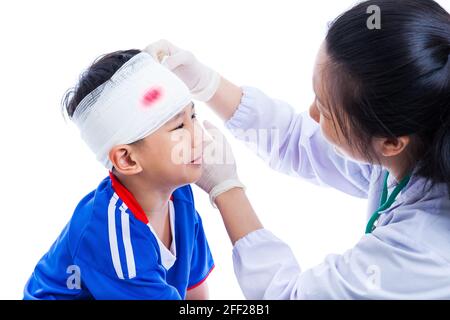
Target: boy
(138, 235)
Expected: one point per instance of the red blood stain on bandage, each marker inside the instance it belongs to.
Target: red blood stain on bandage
(151, 96)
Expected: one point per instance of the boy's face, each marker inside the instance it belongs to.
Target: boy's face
(172, 155)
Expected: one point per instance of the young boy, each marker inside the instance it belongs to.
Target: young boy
(138, 235)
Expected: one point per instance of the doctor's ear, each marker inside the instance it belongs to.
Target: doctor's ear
(124, 160)
(390, 147)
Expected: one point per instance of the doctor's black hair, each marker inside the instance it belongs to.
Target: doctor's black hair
(100, 71)
(393, 81)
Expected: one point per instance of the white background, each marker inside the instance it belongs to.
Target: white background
(46, 169)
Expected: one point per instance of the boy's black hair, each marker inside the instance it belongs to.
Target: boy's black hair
(101, 70)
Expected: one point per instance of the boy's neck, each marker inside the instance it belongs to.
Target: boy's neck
(152, 199)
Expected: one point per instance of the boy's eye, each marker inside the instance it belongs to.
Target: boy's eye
(179, 127)
(194, 116)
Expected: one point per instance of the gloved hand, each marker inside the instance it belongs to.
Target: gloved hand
(201, 80)
(219, 167)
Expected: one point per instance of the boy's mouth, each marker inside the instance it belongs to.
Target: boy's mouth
(197, 160)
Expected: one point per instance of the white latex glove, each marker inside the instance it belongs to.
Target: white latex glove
(201, 80)
(219, 166)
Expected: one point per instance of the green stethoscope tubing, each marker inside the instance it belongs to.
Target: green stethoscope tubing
(386, 202)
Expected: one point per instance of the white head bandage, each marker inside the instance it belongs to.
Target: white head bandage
(139, 98)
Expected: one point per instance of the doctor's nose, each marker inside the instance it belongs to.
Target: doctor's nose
(314, 113)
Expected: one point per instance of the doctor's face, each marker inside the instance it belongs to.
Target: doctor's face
(320, 110)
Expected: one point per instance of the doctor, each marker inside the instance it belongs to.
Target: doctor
(379, 128)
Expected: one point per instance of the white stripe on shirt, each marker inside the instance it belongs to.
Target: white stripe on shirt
(113, 235)
(125, 218)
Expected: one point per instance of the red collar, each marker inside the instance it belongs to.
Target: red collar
(128, 198)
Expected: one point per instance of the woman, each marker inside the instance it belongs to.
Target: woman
(379, 128)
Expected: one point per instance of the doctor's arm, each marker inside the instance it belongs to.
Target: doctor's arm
(237, 213)
(226, 99)
(384, 265)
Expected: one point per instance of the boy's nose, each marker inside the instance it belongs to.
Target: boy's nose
(197, 136)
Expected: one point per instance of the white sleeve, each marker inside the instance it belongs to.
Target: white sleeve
(376, 268)
(293, 144)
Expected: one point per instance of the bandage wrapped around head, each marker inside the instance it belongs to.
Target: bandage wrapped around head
(139, 98)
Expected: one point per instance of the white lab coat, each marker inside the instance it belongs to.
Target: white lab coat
(406, 257)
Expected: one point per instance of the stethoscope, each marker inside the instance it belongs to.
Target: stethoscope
(386, 202)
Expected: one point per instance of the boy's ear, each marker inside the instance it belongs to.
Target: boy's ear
(124, 160)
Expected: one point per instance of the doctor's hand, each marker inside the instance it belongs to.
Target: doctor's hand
(219, 166)
(201, 80)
